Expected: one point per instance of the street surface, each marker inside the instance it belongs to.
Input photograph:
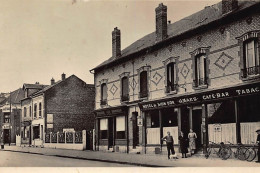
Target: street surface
(15, 159)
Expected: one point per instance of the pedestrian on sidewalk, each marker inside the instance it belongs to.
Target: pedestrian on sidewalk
(183, 145)
(169, 142)
(192, 141)
(258, 143)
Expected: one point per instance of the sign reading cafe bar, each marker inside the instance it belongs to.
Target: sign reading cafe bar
(207, 96)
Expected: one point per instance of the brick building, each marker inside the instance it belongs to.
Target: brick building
(199, 73)
(67, 104)
(10, 112)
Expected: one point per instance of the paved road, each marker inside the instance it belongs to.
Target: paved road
(15, 159)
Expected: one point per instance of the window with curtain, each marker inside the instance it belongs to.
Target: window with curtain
(171, 79)
(120, 127)
(35, 111)
(103, 94)
(200, 70)
(125, 89)
(103, 127)
(24, 111)
(143, 84)
(40, 109)
(251, 57)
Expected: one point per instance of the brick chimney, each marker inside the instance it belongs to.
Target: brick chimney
(229, 5)
(116, 42)
(52, 81)
(63, 76)
(161, 22)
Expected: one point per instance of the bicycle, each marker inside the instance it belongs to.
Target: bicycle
(219, 149)
(240, 152)
(251, 153)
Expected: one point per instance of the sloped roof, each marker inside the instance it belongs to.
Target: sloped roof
(16, 97)
(207, 15)
(34, 86)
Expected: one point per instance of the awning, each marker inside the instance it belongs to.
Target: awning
(111, 111)
(203, 97)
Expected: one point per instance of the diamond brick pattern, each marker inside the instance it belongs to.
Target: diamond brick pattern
(113, 89)
(223, 61)
(185, 70)
(133, 84)
(156, 78)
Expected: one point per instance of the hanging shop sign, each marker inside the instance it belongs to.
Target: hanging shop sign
(207, 96)
(139, 121)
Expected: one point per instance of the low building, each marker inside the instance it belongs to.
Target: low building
(65, 105)
(199, 73)
(10, 113)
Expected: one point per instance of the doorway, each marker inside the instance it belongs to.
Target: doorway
(110, 132)
(185, 127)
(6, 136)
(135, 129)
(197, 120)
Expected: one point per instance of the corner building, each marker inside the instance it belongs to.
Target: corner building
(199, 73)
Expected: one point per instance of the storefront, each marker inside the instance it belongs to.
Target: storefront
(26, 132)
(222, 115)
(112, 129)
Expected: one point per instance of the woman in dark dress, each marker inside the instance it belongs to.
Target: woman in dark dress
(183, 145)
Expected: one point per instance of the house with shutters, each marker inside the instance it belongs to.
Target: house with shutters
(200, 73)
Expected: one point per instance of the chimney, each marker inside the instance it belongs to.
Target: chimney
(63, 76)
(229, 5)
(116, 42)
(161, 22)
(52, 81)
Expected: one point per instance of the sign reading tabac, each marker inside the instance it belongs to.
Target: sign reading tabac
(203, 97)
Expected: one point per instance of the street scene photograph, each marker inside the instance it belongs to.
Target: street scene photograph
(129, 84)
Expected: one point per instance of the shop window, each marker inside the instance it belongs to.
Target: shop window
(143, 84)
(153, 127)
(103, 94)
(249, 111)
(120, 127)
(103, 126)
(124, 89)
(40, 109)
(171, 78)
(251, 58)
(36, 132)
(25, 111)
(200, 70)
(35, 111)
(222, 122)
(169, 118)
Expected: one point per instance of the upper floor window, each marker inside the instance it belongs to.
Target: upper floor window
(25, 111)
(251, 58)
(35, 111)
(143, 84)
(200, 67)
(171, 79)
(30, 111)
(249, 54)
(124, 89)
(7, 118)
(103, 94)
(40, 109)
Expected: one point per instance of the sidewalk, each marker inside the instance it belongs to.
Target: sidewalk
(134, 159)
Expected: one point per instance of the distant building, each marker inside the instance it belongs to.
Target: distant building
(67, 104)
(199, 73)
(10, 112)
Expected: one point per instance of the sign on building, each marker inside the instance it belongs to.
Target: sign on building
(139, 121)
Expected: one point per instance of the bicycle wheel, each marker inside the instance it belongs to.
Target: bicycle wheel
(241, 153)
(250, 154)
(208, 153)
(225, 153)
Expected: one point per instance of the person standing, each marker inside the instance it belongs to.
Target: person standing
(183, 145)
(258, 143)
(192, 141)
(169, 142)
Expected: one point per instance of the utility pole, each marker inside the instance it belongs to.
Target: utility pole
(10, 128)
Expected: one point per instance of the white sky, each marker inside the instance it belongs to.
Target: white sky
(41, 39)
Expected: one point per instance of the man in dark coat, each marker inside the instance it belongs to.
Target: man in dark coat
(183, 145)
(258, 142)
(169, 142)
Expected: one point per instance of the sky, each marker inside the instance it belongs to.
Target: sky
(41, 39)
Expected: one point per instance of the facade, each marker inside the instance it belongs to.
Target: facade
(199, 73)
(10, 112)
(66, 105)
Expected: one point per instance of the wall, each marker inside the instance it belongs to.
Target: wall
(72, 103)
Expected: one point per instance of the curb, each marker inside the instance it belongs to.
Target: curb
(91, 159)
